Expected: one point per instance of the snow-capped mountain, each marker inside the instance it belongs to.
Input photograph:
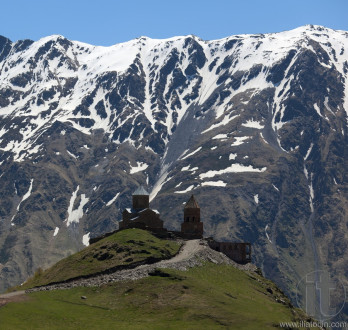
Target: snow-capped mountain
(254, 125)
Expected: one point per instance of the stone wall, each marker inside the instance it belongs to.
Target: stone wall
(238, 252)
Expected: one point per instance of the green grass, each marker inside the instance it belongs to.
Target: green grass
(206, 297)
(122, 248)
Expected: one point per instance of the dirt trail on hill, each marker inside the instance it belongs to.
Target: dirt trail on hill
(12, 297)
(188, 250)
(11, 294)
(192, 253)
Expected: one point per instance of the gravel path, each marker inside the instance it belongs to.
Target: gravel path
(193, 253)
(11, 294)
(12, 297)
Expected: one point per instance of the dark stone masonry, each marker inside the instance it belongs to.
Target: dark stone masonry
(140, 215)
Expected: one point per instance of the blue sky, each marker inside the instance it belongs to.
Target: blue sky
(106, 22)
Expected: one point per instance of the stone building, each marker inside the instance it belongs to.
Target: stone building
(192, 226)
(239, 252)
(140, 215)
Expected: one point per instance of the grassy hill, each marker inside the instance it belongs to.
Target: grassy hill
(210, 296)
(124, 248)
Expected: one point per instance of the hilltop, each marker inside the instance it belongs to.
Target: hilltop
(123, 250)
(208, 291)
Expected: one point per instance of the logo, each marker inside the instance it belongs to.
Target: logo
(320, 296)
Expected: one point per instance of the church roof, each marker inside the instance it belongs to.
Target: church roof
(140, 192)
(192, 203)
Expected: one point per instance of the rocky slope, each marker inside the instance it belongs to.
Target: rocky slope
(254, 125)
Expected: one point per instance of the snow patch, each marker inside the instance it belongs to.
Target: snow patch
(219, 183)
(139, 168)
(85, 239)
(27, 194)
(226, 120)
(308, 151)
(56, 232)
(192, 153)
(184, 153)
(316, 108)
(232, 156)
(150, 149)
(253, 124)
(234, 168)
(220, 136)
(267, 234)
(77, 214)
(112, 200)
(239, 140)
(275, 187)
(71, 154)
(311, 196)
(187, 168)
(256, 198)
(264, 140)
(186, 190)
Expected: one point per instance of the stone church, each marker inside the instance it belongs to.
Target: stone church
(142, 216)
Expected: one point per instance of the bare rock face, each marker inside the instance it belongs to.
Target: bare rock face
(254, 125)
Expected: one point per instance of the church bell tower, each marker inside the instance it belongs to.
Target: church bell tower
(192, 225)
(140, 199)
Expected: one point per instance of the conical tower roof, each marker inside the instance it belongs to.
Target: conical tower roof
(192, 203)
(141, 192)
